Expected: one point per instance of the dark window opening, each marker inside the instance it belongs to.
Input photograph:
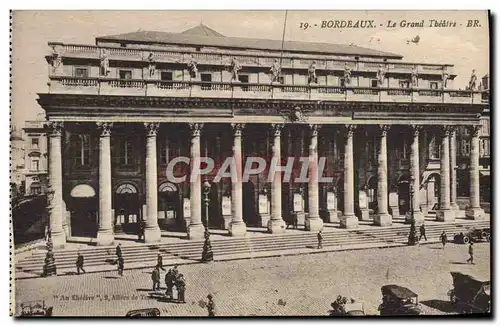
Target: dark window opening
(244, 79)
(125, 74)
(433, 85)
(342, 82)
(167, 76)
(374, 83)
(81, 72)
(207, 78)
(404, 84)
(123, 45)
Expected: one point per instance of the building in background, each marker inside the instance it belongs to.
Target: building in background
(35, 157)
(17, 162)
(120, 110)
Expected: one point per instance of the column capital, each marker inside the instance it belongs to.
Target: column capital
(277, 127)
(384, 129)
(474, 130)
(151, 128)
(237, 128)
(55, 127)
(195, 129)
(350, 130)
(105, 128)
(446, 131)
(416, 129)
(314, 128)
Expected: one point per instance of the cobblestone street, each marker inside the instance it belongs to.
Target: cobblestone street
(294, 285)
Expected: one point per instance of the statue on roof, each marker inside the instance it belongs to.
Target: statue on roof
(104, 63)
(192, 67)
(380, 75)
(56, 59)
(275, 71)
(445, 77)
(414, 76)
(473, 80)
(312, 73)
(235, 67)
(347, 74)
(151, 65)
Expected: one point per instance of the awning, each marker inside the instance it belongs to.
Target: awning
(485, 173)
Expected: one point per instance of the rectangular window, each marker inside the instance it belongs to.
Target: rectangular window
(207, 78)
(125, 74)
(342, 82)
(126, 157)
(81, 72)
(244, 79)
(465, 147)
(374, 83)
(433, 85)
(167, 76)
(35, 165)
(404, 84)
(82, 150)
(282, 80)
(34, 143)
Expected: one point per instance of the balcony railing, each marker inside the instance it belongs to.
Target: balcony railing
(288, 60)
(150, 87)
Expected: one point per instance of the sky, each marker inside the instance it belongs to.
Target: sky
(465, 47)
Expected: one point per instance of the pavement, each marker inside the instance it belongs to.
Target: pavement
(296, 285)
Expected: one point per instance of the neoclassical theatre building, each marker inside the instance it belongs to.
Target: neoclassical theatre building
(120, 110)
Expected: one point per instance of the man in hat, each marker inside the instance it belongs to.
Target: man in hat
(444, 238)
(160, 262)
(169, 282)
(471, 254)
(422, 233)
(121, 265)
(210, 306)
(180, 284)
(119, 250)
(155, 277)
(79, 264)
(320, 240)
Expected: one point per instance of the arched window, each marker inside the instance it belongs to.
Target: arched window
(126, 188)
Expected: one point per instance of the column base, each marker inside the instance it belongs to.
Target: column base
(349, 222)
(314, 224)
(445, 215)
(395, 211)
(196, 231)
(365, 215)
(58, 239)
(276, 226)
(382, 219)
(476, 213)
(417, 215)
(152, 235)
(237, 229)
(454, 207)
(459, 213)
(105, 238)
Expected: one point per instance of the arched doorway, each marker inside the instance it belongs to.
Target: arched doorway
(404, 194)
(169, 202)
(249, 212)
(433, 191)
(127, 208)
(84, 220)
(371, 193)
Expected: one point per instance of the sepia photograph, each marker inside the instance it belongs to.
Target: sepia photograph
(279, 163)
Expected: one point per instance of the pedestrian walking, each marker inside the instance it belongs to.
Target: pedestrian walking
(320, 240)
(79, 264)
(444, 238)
(160, 262)
(121, 265)
(180, 284)
(210, 306)
(142, 226)
(155, 277)
(169, 282)
(119, 250)
(471, 254)
(422, 233)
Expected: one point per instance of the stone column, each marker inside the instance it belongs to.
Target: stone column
(382, 218)
(415, 176)
(105, 234)
(313, 221)
(195, 228)
(55, 179)
(349, 219)
(276, 223)
(474, 211)
(445, 213)
(453, 170)
(152, 232)
(237, 226)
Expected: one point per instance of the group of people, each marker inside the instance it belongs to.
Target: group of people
(172, 279)
(339, 304)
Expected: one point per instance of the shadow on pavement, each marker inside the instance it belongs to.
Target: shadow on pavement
(111, 277)
(443, 306)
(458, 263)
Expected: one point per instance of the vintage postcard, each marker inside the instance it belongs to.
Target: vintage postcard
(250, 163)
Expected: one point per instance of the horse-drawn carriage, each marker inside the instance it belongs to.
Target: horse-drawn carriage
(470, 295)
(35, 308)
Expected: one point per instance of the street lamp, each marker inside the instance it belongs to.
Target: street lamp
(49, 267)
(412, 236)
(207, 255)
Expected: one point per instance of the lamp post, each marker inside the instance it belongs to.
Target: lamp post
(49, 267)
(412, 236)
(207, 255)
